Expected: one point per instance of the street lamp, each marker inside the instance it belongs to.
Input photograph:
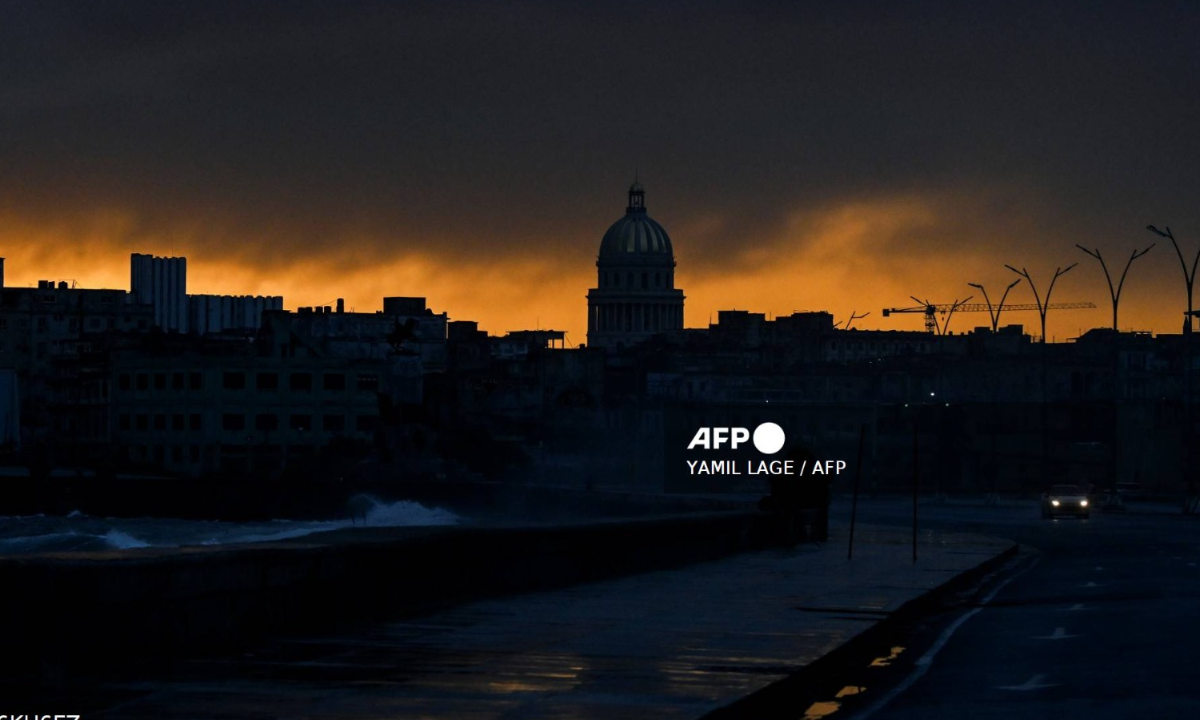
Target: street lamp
(996, 316)
(1188, 277)
(853, 316)
(942, 327)
(1116, 294)
(1189, 461)
(1042, 306)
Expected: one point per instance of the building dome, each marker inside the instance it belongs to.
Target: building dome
(636, 235)
(635, 297)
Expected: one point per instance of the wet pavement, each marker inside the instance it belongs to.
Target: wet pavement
(676, 643)
(1100, 623)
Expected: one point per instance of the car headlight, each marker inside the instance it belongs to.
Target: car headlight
(1054, 503)
(1083, 503)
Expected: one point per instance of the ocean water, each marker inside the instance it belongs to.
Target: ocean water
(78, 532)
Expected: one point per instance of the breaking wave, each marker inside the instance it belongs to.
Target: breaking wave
(78, 532)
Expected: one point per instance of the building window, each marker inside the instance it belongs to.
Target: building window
(366, 423)
(124, 382)
(160, 381)
(142, 422)
(195, 381)
(177, 422)
(234, 381)
(301, 422)
(267, 381)
(143, 381)
(160, 422)
(194, 422)
(123, 422)
(335, 381)
(177, 381)
(333, 423)
(368, 383)
(266, 422)
(233, 421)
(301, 381)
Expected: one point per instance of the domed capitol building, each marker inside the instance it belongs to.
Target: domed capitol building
(635, 297)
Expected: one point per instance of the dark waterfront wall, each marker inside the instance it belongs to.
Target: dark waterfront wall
(246, 500)
(70, 613)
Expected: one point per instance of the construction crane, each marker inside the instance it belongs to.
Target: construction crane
(947, 310)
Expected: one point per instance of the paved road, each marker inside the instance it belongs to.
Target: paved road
(675, 643)
(1097, 619)
(1100, 620)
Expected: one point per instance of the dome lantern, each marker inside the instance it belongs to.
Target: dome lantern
(637, 198)
(636, 237)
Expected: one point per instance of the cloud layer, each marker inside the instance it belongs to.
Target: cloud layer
(837, 159)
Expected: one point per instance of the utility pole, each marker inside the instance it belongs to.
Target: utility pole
(1116, 294)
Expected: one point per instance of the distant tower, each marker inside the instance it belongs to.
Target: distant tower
(635, 297)
(161, 281)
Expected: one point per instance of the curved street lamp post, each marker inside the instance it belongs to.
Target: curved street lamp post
(1189, 278)
(1115, 294)
(1042, 306)
(995, 316)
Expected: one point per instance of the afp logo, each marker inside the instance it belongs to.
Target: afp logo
(768, 438)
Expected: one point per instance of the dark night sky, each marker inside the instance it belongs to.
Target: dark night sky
(838, 158)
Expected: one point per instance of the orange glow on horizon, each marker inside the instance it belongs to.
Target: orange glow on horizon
(860, 256)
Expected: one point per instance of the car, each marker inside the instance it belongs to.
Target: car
(1065, 500)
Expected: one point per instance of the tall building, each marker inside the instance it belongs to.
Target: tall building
(635, 297)
(161, 281)
(214, 313)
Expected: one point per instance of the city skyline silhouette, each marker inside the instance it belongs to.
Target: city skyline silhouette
(839, 159)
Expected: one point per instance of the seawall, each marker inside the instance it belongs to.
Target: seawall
(57, 611)
(248, 500)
